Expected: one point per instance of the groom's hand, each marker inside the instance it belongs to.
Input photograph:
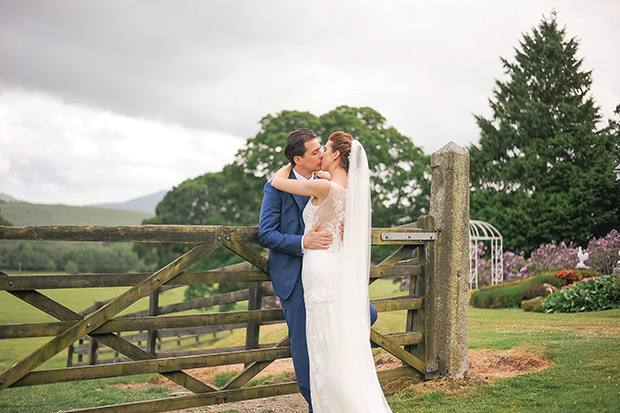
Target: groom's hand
(315, 240)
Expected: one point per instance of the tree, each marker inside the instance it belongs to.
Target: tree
(4, 222)
(400, 172)
(542, 170)
(400, 180)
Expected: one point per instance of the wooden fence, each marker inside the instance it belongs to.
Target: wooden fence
(103, 325)
(432, 253)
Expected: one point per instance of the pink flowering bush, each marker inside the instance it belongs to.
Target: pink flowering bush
(604, 253)
(553, 257)
(515, 266)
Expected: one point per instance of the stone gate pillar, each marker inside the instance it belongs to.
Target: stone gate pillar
(450, 210)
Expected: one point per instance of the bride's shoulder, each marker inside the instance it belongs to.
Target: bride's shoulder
(338, 186)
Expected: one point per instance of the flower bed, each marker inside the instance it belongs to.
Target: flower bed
(589, 294)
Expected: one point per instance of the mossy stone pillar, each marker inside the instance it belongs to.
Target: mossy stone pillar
(450, 210)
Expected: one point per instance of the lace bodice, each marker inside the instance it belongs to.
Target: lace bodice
(330, 213)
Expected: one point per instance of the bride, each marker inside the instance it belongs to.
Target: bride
(342, 371)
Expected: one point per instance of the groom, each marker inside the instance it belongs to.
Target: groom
(281, 229)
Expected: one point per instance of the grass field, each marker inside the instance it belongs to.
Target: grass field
(584, 377)
(24, 213)
(584, 349)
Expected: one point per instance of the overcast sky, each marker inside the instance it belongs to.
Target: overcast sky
(104, 101)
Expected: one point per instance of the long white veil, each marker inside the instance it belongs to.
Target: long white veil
(352, 360)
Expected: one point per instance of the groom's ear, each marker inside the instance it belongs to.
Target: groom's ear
(297, 160)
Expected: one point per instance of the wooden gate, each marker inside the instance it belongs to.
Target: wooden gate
(102, 323)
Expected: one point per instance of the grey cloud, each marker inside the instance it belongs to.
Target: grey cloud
(222, 65)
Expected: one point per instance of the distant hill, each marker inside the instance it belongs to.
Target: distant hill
(7, 198)
(145, 203)
(24, 214)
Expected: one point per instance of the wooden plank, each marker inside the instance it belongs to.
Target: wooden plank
(398, 303)
(151, 336)
(153, 365)
(219, 299)
(397, 373)
(395, 350)
(188, 320)
(247, 253)
(54, 328)
(43, 302)
(253, 369)
(138, 233)
(396, 271)
(395, 257)
(48, 282)
(253, 328)
(407, 338)
(96, 319)
(197, 400)
(427, 351)
(61, 312)
(175, 353)
(33, 330)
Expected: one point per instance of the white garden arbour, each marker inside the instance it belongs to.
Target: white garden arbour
(480, 231)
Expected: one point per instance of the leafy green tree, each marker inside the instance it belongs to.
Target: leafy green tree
(400, 180)
(542, 170)
(400, 172)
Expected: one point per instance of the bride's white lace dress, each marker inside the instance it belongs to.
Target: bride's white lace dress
(342, 371)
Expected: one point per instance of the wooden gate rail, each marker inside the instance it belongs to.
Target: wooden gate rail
(102, 322)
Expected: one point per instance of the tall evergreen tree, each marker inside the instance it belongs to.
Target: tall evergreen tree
(542, 170)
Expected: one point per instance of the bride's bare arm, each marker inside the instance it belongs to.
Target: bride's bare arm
(318, 188)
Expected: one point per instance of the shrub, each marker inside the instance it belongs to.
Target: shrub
(573, 276)
(569, 275)
(515, 265)
(592, 294)
(552, 257)
(534, 305)
(510, 294)
(604, 253)
(71, 268)
(535, 290)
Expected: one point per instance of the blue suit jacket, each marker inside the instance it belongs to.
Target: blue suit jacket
(280, 229)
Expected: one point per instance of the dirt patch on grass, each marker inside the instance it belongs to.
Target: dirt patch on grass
(504, 363)
(483, 365)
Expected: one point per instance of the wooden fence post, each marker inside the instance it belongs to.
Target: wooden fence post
(424, 319)
(253, 329)
(450, 210)
(151, 341)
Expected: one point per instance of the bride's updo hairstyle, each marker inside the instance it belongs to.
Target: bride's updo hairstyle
(341, 141)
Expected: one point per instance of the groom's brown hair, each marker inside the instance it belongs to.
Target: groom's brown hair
(296, 143)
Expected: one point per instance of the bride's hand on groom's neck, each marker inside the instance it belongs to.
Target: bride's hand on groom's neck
(283, 172)
(323, 175)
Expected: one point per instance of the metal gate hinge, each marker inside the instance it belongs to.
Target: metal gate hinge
(408, 236)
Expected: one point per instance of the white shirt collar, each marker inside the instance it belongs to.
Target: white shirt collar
(299, 177)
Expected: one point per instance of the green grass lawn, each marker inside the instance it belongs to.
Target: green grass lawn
(584, 377)
(584, 349)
